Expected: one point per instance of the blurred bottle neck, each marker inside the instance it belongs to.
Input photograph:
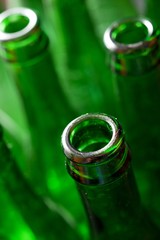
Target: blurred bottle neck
(21, 36)
(133, 45)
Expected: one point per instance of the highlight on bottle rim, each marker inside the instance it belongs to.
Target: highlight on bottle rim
(129, 34)
(105, 134)
(16, 23)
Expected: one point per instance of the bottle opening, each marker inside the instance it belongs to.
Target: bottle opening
(95, 148)
(90, 135)
(130, 32)
(16, 22)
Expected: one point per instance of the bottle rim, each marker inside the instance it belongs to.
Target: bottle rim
(115, 46)
(21, 11)
(90, 157)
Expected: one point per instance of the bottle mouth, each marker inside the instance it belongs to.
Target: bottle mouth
(90, 137)
(129, 35)
(16, 23)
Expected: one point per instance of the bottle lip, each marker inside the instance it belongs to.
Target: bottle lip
(115, 46)
(22, 11)
(89, 157)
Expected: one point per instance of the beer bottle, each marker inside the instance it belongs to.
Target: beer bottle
(134, 49)
(98, 159)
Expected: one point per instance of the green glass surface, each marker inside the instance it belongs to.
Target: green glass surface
(104, 178)
(24, 214)
(12, 224)
(136, 74)
(80, 57)
(29, 63)
(14, 122)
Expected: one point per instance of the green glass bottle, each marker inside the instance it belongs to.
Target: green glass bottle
(25, 48)
(80, 57)
(26, 216)
(98, 159)
(134, 50)
(14, 122)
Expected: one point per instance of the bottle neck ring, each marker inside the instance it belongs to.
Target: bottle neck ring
(133, 44)
(95, 148)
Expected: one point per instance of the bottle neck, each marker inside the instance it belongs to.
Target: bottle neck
(95, 149)
(46, 106)
(21, 37)
(108, 171)
(133, 46)
(114, 210)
